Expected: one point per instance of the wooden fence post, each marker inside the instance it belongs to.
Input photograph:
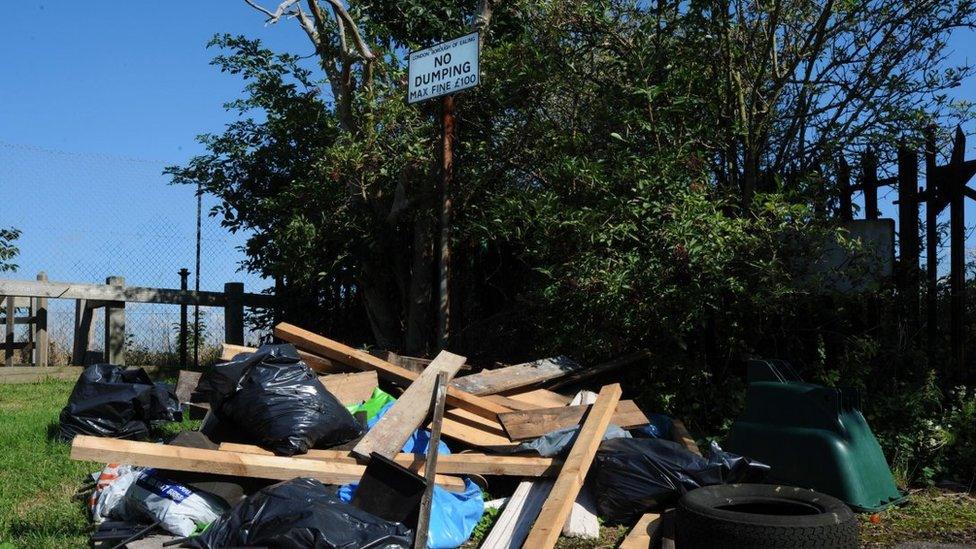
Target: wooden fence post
(234, 313)
(844, 182)
(83, 332)
(39, 327)
(932, 199)
(115, 326)
(9, 334)
(908, 239)
(870, 184)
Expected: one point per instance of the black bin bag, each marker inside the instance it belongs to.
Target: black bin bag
(276, 401)
(300, 513)
(636, 475)
(111, 401)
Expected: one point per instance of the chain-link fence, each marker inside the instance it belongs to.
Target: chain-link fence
(85, 217)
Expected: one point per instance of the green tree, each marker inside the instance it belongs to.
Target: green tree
(8, 249)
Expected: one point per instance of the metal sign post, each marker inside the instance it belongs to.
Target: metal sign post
(441, 71)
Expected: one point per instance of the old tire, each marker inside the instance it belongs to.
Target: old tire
(762, 515)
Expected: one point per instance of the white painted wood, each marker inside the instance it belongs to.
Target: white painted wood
(582, 521)
(515, 521)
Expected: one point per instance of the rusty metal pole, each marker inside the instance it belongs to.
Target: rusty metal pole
(444, 268)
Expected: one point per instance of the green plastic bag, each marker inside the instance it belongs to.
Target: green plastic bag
(376, 402)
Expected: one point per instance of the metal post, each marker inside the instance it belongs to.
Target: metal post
(196, 286)
(184, 275)
(932, 199)
(447, 167)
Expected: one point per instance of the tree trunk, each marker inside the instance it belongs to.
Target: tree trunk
(381, 299)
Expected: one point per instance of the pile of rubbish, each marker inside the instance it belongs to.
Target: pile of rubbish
(312, 443)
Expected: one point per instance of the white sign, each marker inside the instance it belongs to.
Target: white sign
(443, 69)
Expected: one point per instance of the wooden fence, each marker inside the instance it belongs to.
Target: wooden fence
(33, 295)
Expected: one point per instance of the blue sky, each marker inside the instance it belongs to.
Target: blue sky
(96, 98)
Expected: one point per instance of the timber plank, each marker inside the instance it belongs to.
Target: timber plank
(338, 352)
(535, 423)
(681, 435)
(543, 398)
(177, 458)
(490, 382)
(644, 533)
(351, 388)
(450, 464)
(545, 531)
(31, 374)
(409, 411)
(321, 365)
(513, 524)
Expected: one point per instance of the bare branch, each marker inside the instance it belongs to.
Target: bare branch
(361, 46)
(278, 13)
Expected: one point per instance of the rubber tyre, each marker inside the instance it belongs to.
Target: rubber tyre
(769, 516)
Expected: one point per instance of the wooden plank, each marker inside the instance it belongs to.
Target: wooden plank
(513, 524)
(451, 464)
(338, 352)
(545, 531)
(351, 388)
(682, 436)
(516, 405)
(542, 398)
(535, 423)
(585, 373)
(130, 294)
(582, 521)
(31, 374)
(177, 458)
(391, 432)
(321, 365)
(186, 383)
(490, 382)
(83, 331)
(468, 433)
(644, 533)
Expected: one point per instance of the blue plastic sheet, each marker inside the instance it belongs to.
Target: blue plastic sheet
(418, 441)
(453, 515)
(659, 427)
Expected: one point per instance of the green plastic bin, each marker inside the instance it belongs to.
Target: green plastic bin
(812, 437)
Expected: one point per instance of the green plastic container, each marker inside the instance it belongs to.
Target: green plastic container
(812, 437)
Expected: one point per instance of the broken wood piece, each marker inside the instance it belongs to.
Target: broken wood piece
(644, 534)
(468, 432)
(681, 435)
(322, 365)
(360, 360)
(178, 458)
(490, 382)
(531, 424)
(545, 531)
(438, 401)
(186, 383)
(409, 411)
(450, 464)
(586, 373)
(351, 388)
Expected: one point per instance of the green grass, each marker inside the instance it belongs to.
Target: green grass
(38, 481)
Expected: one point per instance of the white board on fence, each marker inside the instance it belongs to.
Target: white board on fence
(443, 69)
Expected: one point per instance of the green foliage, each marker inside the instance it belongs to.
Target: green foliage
(8, 250)
(628, 175)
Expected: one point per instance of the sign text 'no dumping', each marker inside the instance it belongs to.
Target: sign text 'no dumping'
(443, 69)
